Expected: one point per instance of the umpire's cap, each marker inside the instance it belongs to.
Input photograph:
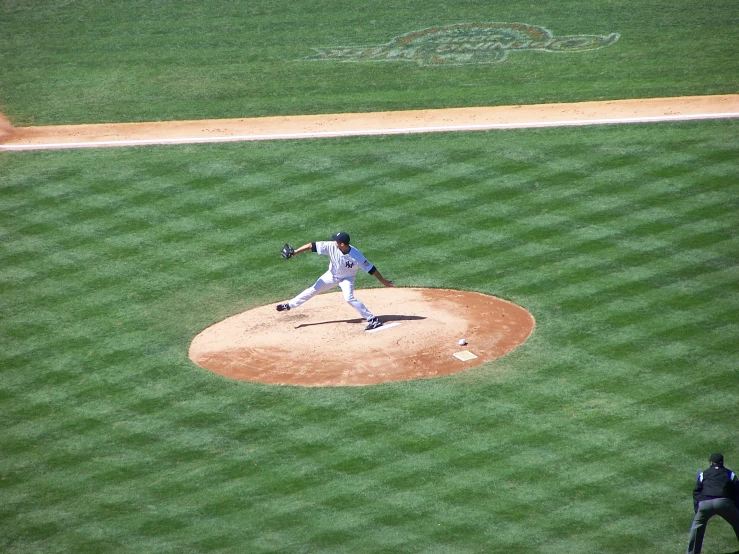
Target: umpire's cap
(341, 237)
(717, 459)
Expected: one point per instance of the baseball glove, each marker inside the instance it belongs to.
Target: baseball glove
(288, 251)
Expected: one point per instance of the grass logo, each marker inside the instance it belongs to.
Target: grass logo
(472, 43)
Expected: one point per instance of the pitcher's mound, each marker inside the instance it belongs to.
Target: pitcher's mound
(323, 342)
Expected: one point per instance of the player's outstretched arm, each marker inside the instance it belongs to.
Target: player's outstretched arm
(382, 280)
(305, 248)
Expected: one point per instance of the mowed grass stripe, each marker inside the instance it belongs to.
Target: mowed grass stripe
(116, 440)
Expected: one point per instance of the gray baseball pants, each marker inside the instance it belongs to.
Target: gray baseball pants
(723, 507)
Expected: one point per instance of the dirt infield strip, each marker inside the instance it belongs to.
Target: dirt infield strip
(376, 123)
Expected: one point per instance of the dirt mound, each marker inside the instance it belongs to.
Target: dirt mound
(323, 343)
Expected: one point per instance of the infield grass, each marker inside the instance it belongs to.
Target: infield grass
(620, 240)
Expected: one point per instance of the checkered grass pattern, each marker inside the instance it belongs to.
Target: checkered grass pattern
(620, 240)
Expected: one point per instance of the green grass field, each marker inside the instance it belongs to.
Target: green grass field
(621, 240)
(73, 61)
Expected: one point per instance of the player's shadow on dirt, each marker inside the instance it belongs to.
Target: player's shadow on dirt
(383, 318)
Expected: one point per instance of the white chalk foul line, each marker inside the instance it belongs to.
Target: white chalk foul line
(369, 132)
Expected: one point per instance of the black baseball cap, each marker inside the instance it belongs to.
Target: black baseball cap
(341, 237)
(716, 459)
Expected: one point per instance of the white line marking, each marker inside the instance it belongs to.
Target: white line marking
(384, 327)
(369, 132)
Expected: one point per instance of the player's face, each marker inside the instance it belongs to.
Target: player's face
(343, 247)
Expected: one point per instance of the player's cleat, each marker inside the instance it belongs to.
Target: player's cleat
(373, 323)
(283, 307)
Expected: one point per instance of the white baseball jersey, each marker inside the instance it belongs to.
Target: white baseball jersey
(343, 266)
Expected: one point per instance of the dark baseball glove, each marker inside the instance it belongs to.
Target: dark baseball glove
(288, 251)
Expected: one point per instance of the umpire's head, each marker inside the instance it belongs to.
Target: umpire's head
(717, 459)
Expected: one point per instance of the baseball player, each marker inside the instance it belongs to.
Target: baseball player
(344, 262)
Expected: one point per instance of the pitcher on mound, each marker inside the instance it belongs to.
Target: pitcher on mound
(344, 262)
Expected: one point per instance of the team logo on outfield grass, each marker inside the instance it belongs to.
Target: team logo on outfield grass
(470, 43)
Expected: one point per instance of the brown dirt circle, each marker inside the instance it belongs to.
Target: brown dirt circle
(323, 343)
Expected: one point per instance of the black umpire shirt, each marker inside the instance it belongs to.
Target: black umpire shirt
(716, 482)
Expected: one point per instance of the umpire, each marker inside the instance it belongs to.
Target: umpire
(716, 492)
